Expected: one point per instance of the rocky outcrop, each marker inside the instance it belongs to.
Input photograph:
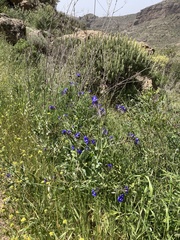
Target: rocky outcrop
(160, 10)
(84, 35)
(13, 29)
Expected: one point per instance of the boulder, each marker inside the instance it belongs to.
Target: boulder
(13, 29)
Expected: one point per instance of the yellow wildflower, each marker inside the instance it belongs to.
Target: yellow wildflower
(23, 219)
(64, 221)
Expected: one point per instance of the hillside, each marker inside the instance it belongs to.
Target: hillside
(158, 25)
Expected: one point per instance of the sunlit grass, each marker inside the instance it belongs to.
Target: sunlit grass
(75, 167)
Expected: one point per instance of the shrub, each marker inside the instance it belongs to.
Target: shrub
(112, 62)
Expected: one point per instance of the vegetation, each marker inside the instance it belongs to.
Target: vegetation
(77, 164)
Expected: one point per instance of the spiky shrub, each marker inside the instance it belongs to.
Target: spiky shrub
(112, 61)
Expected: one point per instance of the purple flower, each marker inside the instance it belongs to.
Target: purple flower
(77, 135)
(111, 137)
(105, 131)
(8, 175)
(126, 189)
(64, 131)
(121, 108)
(78, 74)
(136, 141)
(72, 83)
(94, 193)
(72, 148)
(131, 135)
(80, 93)
(64, 91)
(120, 198)
(68, 132)
(101, 111)
(109, 165)
(94, 100)
(51, 107)
(86, 140)
(93, 141)
(79, 151)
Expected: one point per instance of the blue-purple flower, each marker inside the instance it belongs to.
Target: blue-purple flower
(93, 141)
(8, 175)
(64, 91)
(120, 198)
(136, 141)
(72, 147)
(104, 131)
(94, 100)
(79, 151)
(109, 165)
(126, 189)
(78, 74)
(121, 108)
(94, 193)
(80, 93)
(131, 135)
(86, 140)
(51, 107)
(77, 135)
(64, 131)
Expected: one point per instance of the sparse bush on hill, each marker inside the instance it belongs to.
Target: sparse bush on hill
(113, 62)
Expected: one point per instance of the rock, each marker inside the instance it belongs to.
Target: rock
(84, 35)
(160, 10)
(26, 5)
(146, 47)
(13, 29)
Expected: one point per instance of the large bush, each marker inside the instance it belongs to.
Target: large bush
(113, 62)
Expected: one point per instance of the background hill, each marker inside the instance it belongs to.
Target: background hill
(158, 25)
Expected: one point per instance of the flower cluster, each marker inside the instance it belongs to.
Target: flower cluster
(134, 138)
(121, 108)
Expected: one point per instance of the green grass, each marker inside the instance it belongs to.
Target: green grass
(47, 186)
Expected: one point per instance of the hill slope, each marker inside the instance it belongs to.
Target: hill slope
(158, 25)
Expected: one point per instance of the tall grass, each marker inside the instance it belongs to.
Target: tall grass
(74, 166)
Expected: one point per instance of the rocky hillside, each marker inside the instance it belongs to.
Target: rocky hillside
(158, 25)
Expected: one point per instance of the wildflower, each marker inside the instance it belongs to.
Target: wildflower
(64, 131)
(81, 238)
(68, 132)
(80, 93)
(72, 83)
(105, 131)
(51, 107)
(65, 221)
(59, 117)
(131, 135)
(94, 193)
(93, 141)
(51, 234)
(111, 137)
(78, 74)
(23, 219)
(120, 198)
(94, 100)
(86, 140)
(45, 180)
(126, 189)
(121, 108)
(73, 148)
(64, 91)
(109, 165)
(77, 135)
(8, 175)
(101, 111)
(136, 141)
(79, 151)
